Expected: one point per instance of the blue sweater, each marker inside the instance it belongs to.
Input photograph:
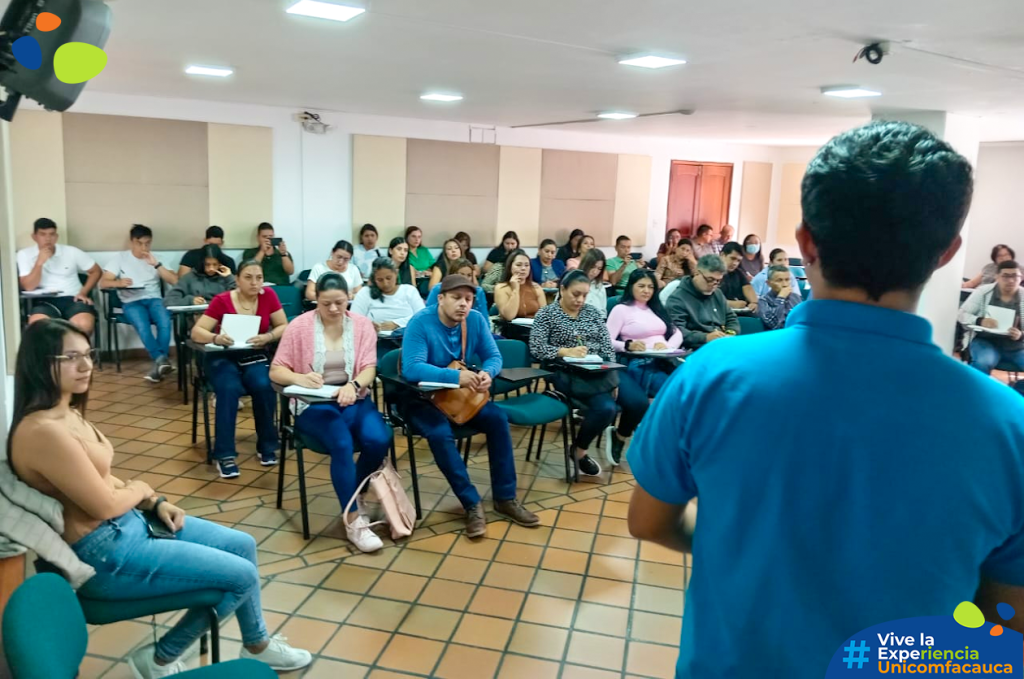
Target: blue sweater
(536, 269)
(429, 346)
(479, 303)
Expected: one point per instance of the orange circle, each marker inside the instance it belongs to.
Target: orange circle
(47, 21)
(996, 630)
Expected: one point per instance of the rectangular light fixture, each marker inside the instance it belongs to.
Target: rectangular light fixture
(849, 92)
(325, 10)
(209, 70)
(441, 97)
(616, 115)
(650, 61)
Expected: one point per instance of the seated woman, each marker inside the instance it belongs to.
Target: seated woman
(339, 263)
(672, 238)
(398, 251)
(498, 255)
(332, 346)
(676, 263)
(753, 258)
(419, 256)
(593, 264)
(366, 251)
(55, 450)
(517, 296)
(467, 250)
(777, 257)
(493, 277)
(388, 304)
(1000, 253)
(572, 246)
(587, 243)
(199, 286)
(450, 252)
(463, 267)
(639, 322)
(545, 267)
(571, 327)
(236, 373)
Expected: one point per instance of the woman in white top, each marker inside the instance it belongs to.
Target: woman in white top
(386, 303)
(340, 263)
(366, 250)
(450, 253)
(593, 264)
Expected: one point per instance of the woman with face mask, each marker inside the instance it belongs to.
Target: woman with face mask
(753, 260)
(518, 296)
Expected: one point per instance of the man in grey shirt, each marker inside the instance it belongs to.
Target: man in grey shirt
(698, 307)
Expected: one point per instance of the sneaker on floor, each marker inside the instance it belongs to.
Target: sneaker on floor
(476, 521)
(360, 535)
(279, 655)
(607, 446)
(617, 445)
(143, 665)
(588, 467)
(268, 459)
(228, 468)
(514, 510)
(163, 364)
(154, 375)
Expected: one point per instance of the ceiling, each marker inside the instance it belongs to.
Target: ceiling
(754, 71)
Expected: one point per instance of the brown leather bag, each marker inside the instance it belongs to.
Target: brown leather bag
(459, 405)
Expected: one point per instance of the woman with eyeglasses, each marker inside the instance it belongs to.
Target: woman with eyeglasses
(331, 346)
(398, 252)
(339, 263)
(450, 253)
(55, 450)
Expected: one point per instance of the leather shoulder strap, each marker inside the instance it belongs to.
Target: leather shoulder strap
(463, 341)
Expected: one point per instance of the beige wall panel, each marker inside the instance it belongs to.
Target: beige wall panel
(518, 195)
(632, 198)
(37, 173)
(755, 196)
(450, 168)
(441, 217)
(595, 217)
(241, 170)
(577, 175)
(790, 213)
(378, 184)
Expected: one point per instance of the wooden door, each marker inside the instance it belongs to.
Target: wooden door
(683, 195)
(715, 190)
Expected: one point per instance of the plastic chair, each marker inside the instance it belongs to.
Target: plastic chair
(612, 301)
(113, 314)
(750, 325)
(291, 299)
(796, 261)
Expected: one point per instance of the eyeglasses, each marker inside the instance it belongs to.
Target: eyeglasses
(1010, 276)
(88, 358)
(713, 282)
(342, 258)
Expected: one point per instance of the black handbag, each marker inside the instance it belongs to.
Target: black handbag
(585, 386)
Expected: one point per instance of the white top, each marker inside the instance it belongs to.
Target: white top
(598, 298)
(363, 258)
(352, 277)
(397, 308)
(667, 291)
(126, 265)
(60, 272)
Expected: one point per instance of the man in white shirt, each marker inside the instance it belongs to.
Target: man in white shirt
(136, 273)
(52, 267)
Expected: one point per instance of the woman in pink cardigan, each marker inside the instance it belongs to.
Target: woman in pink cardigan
(330, 346)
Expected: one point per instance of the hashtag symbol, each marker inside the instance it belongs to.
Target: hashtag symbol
(855, 654)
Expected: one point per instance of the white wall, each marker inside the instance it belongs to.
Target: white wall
(996, 215)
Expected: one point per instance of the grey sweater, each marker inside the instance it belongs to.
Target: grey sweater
(193, 285)
(697, 314)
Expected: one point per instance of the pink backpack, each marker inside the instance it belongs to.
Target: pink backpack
(399, 513)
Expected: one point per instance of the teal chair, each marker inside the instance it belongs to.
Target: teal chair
(612, 301)
(45, 635)
(291, 299)
(750, 325)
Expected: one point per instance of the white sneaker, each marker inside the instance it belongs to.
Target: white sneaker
(143, 665)
(279, 655)
(360, 535)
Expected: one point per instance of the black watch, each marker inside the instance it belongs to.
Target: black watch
(157, 265)
(358, 386)
(159, 501)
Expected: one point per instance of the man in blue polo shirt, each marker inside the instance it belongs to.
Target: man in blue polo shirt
(898, 490)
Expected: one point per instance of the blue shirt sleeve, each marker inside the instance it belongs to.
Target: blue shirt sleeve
(416, 353)
(432, 297)
(483, 344)
(536, 270)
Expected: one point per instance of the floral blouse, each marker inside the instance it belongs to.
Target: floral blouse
(553, 329)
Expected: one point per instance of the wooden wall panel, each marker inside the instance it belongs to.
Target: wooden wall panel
(37, 173)
(632, 198)
(240, 159)
(755, 195)
(790, 212)
(519, 178)
(378, 185)
(576, 175)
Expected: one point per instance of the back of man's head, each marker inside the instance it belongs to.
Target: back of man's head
(882, 204)
(215, 232)
(703, 229)
(731, 247)
(711, 264)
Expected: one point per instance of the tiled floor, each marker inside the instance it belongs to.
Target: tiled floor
(577, 598)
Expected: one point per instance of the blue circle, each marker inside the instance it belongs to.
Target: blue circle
(28, 53)
(1005, 611)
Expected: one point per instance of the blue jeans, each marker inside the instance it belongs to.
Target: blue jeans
(231, 382)
(985, 356)
(650, 373)
(144, 313)
(131, 565)
(601, 410)
(431, 424)
(336, 429)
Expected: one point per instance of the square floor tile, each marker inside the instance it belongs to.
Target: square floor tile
(578, 672)
(327, 605)
(650, 551)
(416, 563)
(281, 596)
(519, 554)
(609, 620)
(548, 610)
(581, 522)
(565, 585)
(447, 594)
(611, 568)
(480, 548)
(464, 662)
(539, 641)
(660, 575)
(595, 650)
(530, 536)
(311, 635)
(323, 668)
(571, 539)
(356, 644)
(660, 629)
(509, 576)
(430, 622)
(352, 578)
(613, 546)
(411, 654)
(658, 600)
(483, 631)
(564, 560)
(379, 614)
(462, 569)
(399, 586)
(518, 667)
(649, 660)
(500, 603)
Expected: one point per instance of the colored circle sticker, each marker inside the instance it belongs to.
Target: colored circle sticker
(76, 62)
(969, 615)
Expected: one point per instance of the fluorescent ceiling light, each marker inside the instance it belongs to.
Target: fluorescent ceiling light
(209, 70)
(616, 115)
(325, 10)
(650, 61)
(849, 92)
(441, 97)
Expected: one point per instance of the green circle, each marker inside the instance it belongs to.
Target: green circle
(76, 62)
(969, 615)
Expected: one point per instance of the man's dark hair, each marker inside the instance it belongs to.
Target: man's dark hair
(777, 268)
(1008, 264)
(882, 203)
(731, 247)
(622, 238)
(214, 232)
(703, 229)
(47, 223)
(264, 226)
(999, 248)
(140, 231)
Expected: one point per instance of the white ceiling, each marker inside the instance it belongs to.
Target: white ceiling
(754, 71)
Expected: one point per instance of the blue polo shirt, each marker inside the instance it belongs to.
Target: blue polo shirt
(894, 486)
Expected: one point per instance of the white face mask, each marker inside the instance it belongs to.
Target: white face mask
(753, 249)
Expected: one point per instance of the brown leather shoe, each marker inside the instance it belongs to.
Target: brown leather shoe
(513, 509)
(476, 522)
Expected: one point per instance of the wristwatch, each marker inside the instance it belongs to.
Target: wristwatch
(157, 265)
(358, 386)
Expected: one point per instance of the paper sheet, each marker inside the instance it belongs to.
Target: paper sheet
(439, 385)
(326, 391)
(589, 358)
(1003, 316)
(523, 321)
(240, 328)
(189, 307)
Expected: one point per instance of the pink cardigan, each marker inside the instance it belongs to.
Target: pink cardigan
(295, 351)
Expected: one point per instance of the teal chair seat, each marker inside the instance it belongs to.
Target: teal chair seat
(750, 325)
(106, 612)
(530, 410)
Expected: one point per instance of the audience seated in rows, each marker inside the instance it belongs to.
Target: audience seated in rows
(333, 346)
(592, 264)
(237, 373)
(546, 268)
(571, 327)
(753, 258)
(622, 264)
(774, 306)
(672, 238)
(435, 337)
(735, 286)
(639, 322)
(988, 349)
(420, 258)
(704, 242)
(725, 235)
(366, 250)
(500, 253)
(55, 450)
(518, 295)
(340, 263)
(571, 248)
(777, 257)
(463, 267)
(1000, 253)
(699, 309)
(193, 259)
(467, 251)
(143, 307)
(676, 263)
(202, 283)
(451, 252)
(387, 303)
(398, 252)
(587, 243)
(51, 266)
(493, 277)
(277, 263)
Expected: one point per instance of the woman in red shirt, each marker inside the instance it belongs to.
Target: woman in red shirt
(238, 372)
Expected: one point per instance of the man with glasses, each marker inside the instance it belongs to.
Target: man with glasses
(698, 307)
(994, 345)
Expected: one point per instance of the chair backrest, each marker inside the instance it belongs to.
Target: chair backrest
(291, 299)
(612, 301)
(302, 278)
(44, 629)
(750, 325)
(514, 354)
(388, 363)
(796, 261)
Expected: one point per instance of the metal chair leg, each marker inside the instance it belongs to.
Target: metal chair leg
(214, 636)
(415, 479)
(206, 426)
(529, 447)
(280, 472)
(301, 468)
(195, 412)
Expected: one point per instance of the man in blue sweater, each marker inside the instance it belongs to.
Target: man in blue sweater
(433, 339)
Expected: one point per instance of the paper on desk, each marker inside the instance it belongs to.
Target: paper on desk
(326, 391)
(991, 331)
(39, 292)
(438, 385)
(522, 321)
(1003, 316)
(189, 307)
(589, 358)
(659, 351)
(240, 328)
(384, 333)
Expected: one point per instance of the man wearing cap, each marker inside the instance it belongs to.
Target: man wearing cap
(433, 339)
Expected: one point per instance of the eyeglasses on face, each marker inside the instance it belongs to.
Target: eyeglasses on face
(713, 282)
(88, 358)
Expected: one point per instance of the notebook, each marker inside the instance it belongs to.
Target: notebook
(326, 391)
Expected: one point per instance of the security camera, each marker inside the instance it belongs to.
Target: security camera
(874, 52)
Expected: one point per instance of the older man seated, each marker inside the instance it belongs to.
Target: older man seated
(698, 307)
